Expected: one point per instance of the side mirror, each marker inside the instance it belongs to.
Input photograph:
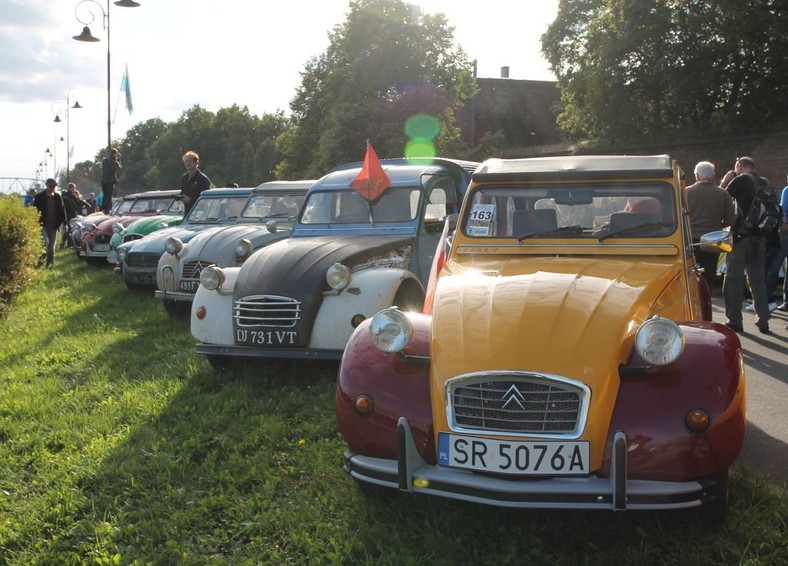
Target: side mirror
(271, 226)
(719, 241)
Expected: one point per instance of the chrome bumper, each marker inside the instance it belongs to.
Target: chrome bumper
(614, 493)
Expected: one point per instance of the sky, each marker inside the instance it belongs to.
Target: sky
(179, 53)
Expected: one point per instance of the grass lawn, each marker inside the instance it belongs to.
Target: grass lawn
(119, 445)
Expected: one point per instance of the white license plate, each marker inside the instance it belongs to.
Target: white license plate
(547, 457)
(100, 247)
(188, 285)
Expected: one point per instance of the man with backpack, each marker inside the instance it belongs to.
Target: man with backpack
(749, 248)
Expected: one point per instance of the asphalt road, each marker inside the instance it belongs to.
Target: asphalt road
(766, 358)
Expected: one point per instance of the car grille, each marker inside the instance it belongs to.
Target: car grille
(516, 404)
(192, 269)
(131, 237)
(267, 310)
(143, 260)
(102, 238)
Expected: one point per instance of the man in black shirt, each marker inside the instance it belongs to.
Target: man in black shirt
(193, 182)
(51, 214)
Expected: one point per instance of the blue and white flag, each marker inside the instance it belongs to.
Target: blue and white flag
(125, 87)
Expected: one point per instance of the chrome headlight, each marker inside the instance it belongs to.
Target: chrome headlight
(338, 276)
(90, 226)
(122, 252)
(659, 341)
(173, 246)
(244, 247)
(390, 330)
(118, 228)
(212, 277)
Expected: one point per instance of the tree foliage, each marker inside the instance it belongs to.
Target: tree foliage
(651, 69)
(385, 64)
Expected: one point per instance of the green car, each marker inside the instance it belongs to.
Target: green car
(137, 229)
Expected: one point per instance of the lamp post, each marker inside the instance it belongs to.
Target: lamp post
(87, 36)
(76, 106)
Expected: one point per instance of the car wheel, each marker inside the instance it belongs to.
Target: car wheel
(177, 308)
(136, 287)
(409, 297)
(97, 261)
(714, 512)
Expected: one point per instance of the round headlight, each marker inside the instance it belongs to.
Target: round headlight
(173, 246)
(244, 247)
(390, 330)
(338, 276)
(211, 277)
(122, 254)
(117, 228)
(659, 341)
(90, 226)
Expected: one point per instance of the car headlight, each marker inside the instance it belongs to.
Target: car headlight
(244, 247)
(118, 228)
(659, 341)
(338, 276)
(89, 227)
(390, 330)
(122, 254)
(212, 277)
(173, 246)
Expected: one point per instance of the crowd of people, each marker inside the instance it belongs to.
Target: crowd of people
(758, 255)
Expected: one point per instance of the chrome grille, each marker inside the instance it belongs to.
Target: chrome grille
(267, 310)
(102, 238)
(516, 404)
(192, 269)
(143, 260)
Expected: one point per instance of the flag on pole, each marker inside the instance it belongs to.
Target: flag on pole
(372, 179)
(125, 87)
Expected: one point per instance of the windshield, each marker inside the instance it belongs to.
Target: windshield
(212, 209)
(594, 211)
(348, 207)
(155, 205)
(273, 206)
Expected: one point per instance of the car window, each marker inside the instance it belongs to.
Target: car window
(626, 210)
(216, 209)
(273, 205)
(157, 205)
(398, 204)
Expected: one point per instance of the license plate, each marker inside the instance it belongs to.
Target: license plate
(188, 285)
(100, 247)
(245, 337)
(547, 457)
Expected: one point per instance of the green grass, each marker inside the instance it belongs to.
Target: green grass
(119, 445)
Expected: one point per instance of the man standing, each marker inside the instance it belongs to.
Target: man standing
(51, 214)
(710, 209)
(110, 169)
(193, 182)
(748, 254)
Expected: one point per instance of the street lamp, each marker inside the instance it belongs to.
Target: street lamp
(76, 106)
(87, 36)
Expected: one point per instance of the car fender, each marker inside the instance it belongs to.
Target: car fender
(652, 407)
(216, 326)
(397, 384)
(370, 291)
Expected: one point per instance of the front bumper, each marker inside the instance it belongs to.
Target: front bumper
(614, 493)
(249, 352)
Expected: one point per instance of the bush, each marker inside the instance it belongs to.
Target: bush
(20, 247)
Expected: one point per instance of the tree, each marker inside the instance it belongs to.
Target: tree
(386, 63)
(133, 148)
(652, 69)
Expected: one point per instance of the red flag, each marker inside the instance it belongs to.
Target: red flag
(372, 180)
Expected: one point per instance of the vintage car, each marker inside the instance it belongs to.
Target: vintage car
(125, 232)
(137, 259)
(266, 217)
(347, 258)
(95, 244)
(565, 356)
(81, 224)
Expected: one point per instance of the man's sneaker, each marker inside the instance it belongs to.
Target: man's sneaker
(750, 307)
(735, 327)
(783, 307)
(763, 329)
(772, 307)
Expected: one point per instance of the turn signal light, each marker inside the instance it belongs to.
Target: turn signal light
(698, 421)
(364, 404)
(421, 483)
(200, 313)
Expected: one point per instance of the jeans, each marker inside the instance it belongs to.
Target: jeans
(747, 257)
(50, 239)
(775, 258)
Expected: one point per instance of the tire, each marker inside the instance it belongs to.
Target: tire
(97, 261)
(177, 309)
(137, 287)
(714, 512)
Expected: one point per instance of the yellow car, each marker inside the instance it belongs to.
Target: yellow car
(565, 357)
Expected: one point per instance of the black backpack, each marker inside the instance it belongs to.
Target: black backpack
(763, 216)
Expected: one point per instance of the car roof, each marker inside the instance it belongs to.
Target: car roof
(400, 171)
(283, 186)
(153, 194)
(570, 167)
(226, 192)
